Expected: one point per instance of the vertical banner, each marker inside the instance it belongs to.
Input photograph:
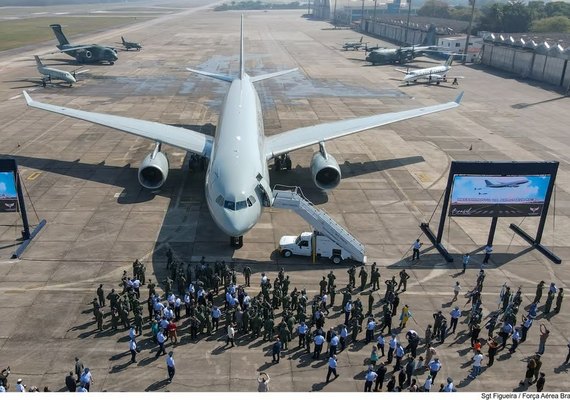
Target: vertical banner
(8, 192)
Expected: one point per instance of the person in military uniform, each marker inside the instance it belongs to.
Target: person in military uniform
(539, 289)
(375, 277)
(323, 286)
(403, 280)
(285, 285)
(352, 277)
(99, 318)
(559, 299)
(114, 319)
(268, 329)
(169, 258)
(101, 295)
(354, 329)
(151, 288)
(331, 278)
(549, 300)
(138, 323)
(284, 334)
(247, 275)
(390, 287)
(363, 275)
(346, 296)
(113, 297)
(332, 294)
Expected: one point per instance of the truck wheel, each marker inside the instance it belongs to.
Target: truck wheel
(286, 253)
(336, 260)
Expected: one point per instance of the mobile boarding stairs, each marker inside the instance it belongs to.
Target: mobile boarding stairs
(292, 198)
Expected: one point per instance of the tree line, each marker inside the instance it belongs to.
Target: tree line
(510, 17)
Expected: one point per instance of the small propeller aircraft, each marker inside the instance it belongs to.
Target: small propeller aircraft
(354, 45)
(433, 74)
(50, 74)
(84, 54)
(130, 45)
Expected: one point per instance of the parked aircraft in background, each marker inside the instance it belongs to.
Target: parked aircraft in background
(354, 45)
(432, 74)
(404, 55)
(515, 183)
(237, 183)
(50, 74)
(130, 45)
(84, 54)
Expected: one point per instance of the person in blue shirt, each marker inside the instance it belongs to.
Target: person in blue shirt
(334, 344)
(319, 340)
(370, 378)
(455, 314)
(516, 340)
(399, 355)
(276, 350)
(434, 367)
(302, 331)
(332, 368)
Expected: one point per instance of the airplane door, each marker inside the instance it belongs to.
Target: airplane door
(264, 191)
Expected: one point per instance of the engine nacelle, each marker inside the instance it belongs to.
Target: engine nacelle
(325, 170)
(153, 170)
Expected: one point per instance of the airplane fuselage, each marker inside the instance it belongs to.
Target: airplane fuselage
(56, 74)
(426, 73)
(237, 163)
(91, 53)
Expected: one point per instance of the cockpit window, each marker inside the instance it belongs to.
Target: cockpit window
(230, 205)
(220, 200)
(240, 205)
(250, 201)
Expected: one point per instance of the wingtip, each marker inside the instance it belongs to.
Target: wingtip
(27, 97)
(459, 97)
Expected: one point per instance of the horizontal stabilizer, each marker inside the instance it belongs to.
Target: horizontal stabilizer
(225, 78)
(272, 75)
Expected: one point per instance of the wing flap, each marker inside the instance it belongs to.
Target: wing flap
(185, 139)
(303, 137)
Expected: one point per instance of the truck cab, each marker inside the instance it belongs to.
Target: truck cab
(302, 245)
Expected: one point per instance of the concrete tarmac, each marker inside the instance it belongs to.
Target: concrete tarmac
(82, 179)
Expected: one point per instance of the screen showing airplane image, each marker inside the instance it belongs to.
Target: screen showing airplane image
(498, 196)
(8, 193)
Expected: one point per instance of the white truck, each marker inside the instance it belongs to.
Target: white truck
(302, 246)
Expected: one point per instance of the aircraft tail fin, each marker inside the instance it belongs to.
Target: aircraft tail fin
(241, 55)
(449, 61)
(361, 37)
(488, 183)
(431, 37)
(59, 34)
(123, 40)
(39, 62)
(221, 77)
(272, 75)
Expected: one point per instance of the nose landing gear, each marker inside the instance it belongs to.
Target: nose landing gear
(236, 242)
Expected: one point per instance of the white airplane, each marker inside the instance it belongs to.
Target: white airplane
(432, 74)
(49, 74)
(515, 183)
(237, 177)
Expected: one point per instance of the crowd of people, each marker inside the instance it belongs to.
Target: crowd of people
(279, 312)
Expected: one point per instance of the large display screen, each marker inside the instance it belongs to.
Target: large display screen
(8, 193)
(498, 196)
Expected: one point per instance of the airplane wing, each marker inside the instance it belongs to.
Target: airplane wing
(72, 49)
(403, 71)
(303, 137)
(185, 139)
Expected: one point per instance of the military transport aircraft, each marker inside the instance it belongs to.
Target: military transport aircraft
(84, 54)
(130, 45)
(354, 45)
(237, 178)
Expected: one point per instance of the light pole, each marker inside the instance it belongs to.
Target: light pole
(408, 22)
(362, 18)
(374, 16)
(334, 14)
(469, 31)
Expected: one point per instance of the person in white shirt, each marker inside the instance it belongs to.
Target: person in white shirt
(263, 382)
(456, 290)
(133, 350)
(132, 333)
(2, 388)
(231, 333)
(171, 366)
(428, 383)
(477, 359)
(160, 338)
(20, 387)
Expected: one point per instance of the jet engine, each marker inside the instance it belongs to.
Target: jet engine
(324, 169)
(153, 170)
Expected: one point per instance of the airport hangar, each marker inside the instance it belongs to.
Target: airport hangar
(82, 179)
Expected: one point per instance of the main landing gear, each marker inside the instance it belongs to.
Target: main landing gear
(236, 242)
(282, 162)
